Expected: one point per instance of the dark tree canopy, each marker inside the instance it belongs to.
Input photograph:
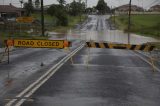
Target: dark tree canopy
(37, 3)
(61, 10)
(76, 8)
(28, 7)
(60, 13)
(61, 2)
(102, 7)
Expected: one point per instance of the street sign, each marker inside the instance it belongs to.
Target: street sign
(39, 43)
(25, 19)
(9, 43)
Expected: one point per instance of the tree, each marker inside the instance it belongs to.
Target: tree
(30, 1)
(62, 19)
(28, 7)
(102, 7)
(54, 10)
(37, 3)
(61, 2)
(60, 13)
(76, 8)
(89, 10)
(21, 1)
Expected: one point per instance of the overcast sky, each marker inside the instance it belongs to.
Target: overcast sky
(114, 3)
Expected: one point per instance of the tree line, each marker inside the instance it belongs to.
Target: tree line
(62, 10)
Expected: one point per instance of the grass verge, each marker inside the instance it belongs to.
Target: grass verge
(51, 20)
(146, 25)
(72, 21)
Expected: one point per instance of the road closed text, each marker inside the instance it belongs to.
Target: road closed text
(39, 43)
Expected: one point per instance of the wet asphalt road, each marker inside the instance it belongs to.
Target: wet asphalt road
(24, 68)
(100, 77)
(113, 77)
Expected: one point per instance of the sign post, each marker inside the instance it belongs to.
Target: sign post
(8, 54)
(9, 43)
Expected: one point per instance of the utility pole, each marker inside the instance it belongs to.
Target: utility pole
(114, 16)
(21, 1)
(80, 10)
(42, 17)
(129, 21)
(86, 3)
(111, 11)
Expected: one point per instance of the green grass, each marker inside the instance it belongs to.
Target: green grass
(73, 20)
(49, 26)
(51, 20)
(47, 18)
(148, 25)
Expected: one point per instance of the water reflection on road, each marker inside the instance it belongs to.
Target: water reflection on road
(98, 28)
(118, 36)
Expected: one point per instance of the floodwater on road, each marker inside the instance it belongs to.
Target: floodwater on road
(25, 67)
(118, 36)
(98, 28)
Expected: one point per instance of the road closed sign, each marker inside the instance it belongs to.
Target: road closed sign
(25, 19)
(39, 43)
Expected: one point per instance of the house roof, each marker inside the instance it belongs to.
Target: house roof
(9, 8)
(156, 6)
(127, 6)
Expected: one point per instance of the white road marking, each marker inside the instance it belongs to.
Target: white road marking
(45, 77)
(37, 86)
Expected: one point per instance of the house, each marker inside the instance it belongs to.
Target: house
(125, 8)
(10, 11)
(155, 8)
